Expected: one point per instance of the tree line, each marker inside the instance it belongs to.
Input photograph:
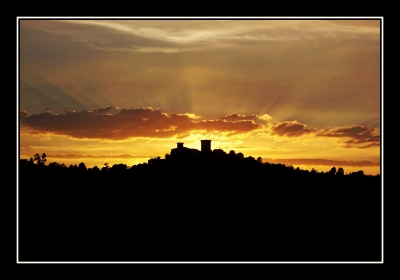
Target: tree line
(217, 154)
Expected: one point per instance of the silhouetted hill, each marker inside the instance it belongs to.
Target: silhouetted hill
(197, 206)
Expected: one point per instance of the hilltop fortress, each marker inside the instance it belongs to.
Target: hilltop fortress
(180, 150)
(184, 153)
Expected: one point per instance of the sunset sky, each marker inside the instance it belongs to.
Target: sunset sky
(304, 92)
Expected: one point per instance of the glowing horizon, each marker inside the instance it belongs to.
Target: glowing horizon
(306, 93)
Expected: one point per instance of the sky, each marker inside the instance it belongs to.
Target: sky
(304, 92)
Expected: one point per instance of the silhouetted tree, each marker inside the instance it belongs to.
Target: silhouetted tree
(54, 164)
(105, 168)
(219, 152)
(332, 171)
(40, 160)
(358, 173)
(240, 155)
(153, 160)
(82, 167)
(259, 159)
(340, 171)
(119, 167)
(36, 158)
(313, 171)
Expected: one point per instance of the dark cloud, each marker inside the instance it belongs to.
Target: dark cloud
(127, 123)
(236, 117)
(23, 114)
(358, 136)
(107, 109)
(290, 128)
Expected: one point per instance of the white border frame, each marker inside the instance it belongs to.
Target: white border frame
(199, 17)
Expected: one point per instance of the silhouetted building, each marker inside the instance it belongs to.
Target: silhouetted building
(205, 146)
(181, 151)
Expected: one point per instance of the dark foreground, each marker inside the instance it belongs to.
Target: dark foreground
(181, 212)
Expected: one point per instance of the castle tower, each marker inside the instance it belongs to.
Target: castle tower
(179, 145)
(205, 146)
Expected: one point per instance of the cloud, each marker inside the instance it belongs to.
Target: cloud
(107, 109)
(183, 35)
(319, 161)
(357, 136)
(127, 123)
(79, 156)
(277, 64)
(290, 128)
(236, 118)
(23, 114)
(265, 117)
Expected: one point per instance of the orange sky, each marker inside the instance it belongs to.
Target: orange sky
(301, 92)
